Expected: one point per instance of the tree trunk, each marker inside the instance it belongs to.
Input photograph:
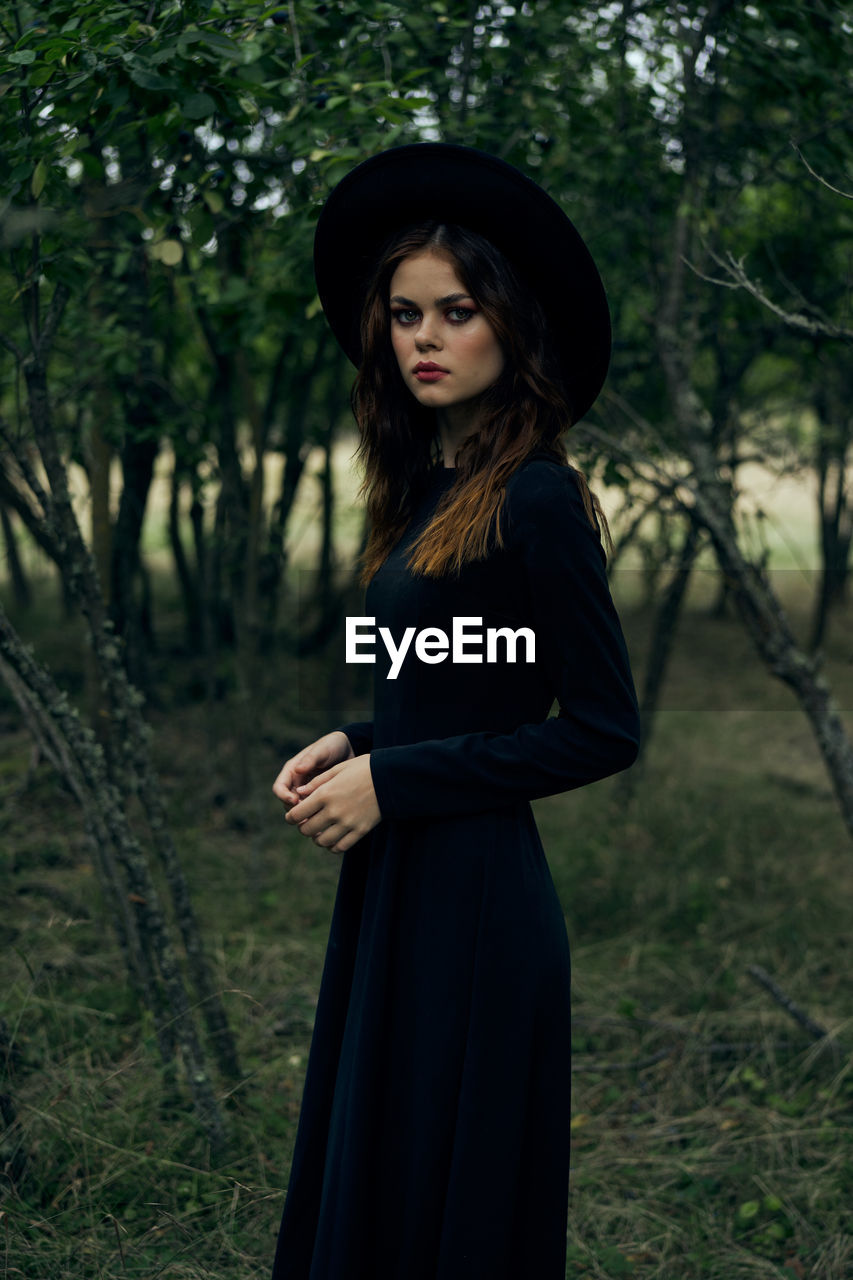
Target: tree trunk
(128, 593)
(189, 587)
(20, 585)
(757, 604)
(835, 516)
(764, 617)
(205, 599)
(663, 638)
(130, 764)
(84, 767)
(296, 451)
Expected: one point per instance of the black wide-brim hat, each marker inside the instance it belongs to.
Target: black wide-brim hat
(440, 181)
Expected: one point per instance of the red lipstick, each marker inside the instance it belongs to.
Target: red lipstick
(427, 371)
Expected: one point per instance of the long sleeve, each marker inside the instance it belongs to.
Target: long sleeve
(360, 734)
(579, 640)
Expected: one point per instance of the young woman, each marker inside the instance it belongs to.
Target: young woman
(433, 1142)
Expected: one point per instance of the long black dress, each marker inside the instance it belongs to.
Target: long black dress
(433, 1142)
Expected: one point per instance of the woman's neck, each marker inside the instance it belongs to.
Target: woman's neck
(455, 425)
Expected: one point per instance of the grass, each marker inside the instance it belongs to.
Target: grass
(712, 1137)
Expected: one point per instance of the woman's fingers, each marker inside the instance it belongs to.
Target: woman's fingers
(337, 807)
(329, 838)
(295, 772)
(307, 765)
(304, 813)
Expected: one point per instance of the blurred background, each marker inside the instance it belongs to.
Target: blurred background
(179, 518)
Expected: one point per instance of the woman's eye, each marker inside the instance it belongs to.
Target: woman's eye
(406, 315)
(460, 314)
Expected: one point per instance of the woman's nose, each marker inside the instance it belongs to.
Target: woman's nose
(427, 334)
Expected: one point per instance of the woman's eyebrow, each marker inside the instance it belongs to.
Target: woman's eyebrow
(439, 302)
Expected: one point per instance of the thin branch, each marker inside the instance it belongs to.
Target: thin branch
(628, 535)
(667, 484)
(467, 61)
(200, 310)
(294, 30)
(712, 1049)
(633, 1064)
(38, 527)
(297, 46)
(846, 195)
(386, 59)
(793, 319)
(27, 471)
(12, 346)
(761, 976)
(54, 895)
(61, 294)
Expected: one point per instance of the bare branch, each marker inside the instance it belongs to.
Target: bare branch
(846, 195)
(631, 1064)
(12, 346)
(200, 310)
(627, 537)
(38, 527)
(19, 453)
(467, 61)
(660, 478)
(294, 31)
(793, 319)
(61, 294)
(386, 59)
(784, 1000)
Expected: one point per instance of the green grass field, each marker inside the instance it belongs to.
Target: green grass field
(712, 1134)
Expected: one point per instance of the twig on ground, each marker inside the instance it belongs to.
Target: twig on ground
(781, 997)
(74, 909)
(633, 1064)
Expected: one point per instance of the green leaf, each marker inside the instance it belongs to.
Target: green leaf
(39, 179)
(40, 76)
(22, 57)
(198, 106)
(148, 79)
(251, 74)
(249, 107)
(214, 201)
(222, 45)
(120, 262)
(56, 52)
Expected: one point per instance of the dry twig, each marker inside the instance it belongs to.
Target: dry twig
(761, 976)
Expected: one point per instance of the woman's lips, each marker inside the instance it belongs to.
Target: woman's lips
(429, 372)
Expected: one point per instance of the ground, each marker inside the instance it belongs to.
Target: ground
(712, 1134)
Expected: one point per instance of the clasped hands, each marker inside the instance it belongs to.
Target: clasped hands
(328, 792)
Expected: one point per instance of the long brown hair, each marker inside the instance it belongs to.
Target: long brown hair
(528, 408)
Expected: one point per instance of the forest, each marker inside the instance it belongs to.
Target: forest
(179, 520)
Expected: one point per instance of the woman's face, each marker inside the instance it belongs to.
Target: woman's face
(447, 350)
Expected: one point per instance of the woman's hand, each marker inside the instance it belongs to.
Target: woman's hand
(331, 749)
(338, 807)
